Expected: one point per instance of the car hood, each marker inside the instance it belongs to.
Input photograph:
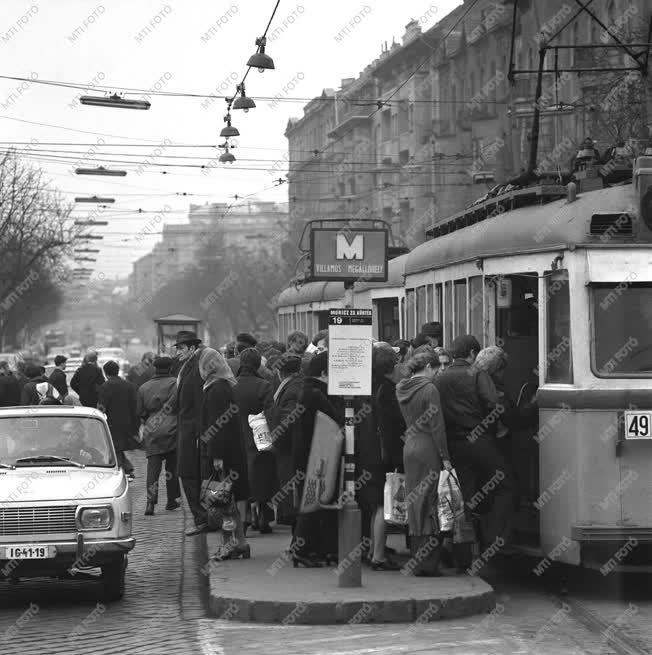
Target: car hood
(45, 483)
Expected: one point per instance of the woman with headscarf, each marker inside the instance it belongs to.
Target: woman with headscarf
(221, 444)
(253, 395)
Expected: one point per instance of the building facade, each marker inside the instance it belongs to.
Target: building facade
(455, 125)
(253, 227)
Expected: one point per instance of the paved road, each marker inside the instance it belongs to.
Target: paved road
(163, 613)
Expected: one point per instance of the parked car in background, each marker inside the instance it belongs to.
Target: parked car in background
(74, 509)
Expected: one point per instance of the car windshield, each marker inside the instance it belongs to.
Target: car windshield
(79, 439)
(622, 316)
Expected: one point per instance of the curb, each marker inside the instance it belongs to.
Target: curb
(273, 604)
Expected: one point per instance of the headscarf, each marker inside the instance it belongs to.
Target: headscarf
(491, 360)
(213, 367)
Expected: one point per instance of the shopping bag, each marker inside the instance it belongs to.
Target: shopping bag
(262, 434)
(320, 484)
(394, 499)
(450, 508)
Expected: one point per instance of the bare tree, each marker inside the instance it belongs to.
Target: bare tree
(35, 237)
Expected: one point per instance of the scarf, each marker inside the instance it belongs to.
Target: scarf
(213, 367)
(284, 383)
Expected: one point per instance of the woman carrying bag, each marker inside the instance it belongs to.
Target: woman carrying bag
(425, 454)
(221, 445)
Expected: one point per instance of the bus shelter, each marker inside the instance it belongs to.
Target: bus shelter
(167, 328)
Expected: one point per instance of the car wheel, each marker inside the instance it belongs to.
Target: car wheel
(113, 578)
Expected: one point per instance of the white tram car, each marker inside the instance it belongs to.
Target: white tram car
(564, 284)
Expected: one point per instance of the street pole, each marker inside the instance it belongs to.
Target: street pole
(349, 519)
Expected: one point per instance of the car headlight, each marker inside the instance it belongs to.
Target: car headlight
(95, 518)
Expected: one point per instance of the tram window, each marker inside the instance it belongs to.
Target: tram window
(409, 314)
(476, 294)
(421, 306)
(516, 303)
(559, 367)
(448, 313)
(430, 313)
(438, 302)
(622, 330)
(460, 308)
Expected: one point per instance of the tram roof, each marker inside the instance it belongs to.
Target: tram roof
(535, 227)
(395, 272)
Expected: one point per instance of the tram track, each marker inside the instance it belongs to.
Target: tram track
(611, 632)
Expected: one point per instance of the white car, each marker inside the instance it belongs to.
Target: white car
(66, 505)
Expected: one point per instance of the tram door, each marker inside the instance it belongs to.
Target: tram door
(388, 322)
(517, 331)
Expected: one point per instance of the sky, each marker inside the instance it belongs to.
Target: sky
(198, 47)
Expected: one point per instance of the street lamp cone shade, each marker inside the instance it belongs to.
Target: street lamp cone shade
(227, 157)
(242, 101)
(96, 199)
(229, 131)
(260, 60)
(115, 101)
(100, 170)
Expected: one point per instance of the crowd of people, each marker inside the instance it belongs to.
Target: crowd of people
(432, 409)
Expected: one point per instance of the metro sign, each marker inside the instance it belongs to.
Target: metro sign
(348, 254)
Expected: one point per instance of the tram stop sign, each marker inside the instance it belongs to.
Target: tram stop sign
(348, 254)
(349, 352)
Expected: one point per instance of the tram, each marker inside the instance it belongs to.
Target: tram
(563, 282)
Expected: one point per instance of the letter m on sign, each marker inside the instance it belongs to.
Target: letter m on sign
(349, 250)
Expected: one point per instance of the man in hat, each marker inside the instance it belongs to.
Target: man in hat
(189, 399)
(58, 376)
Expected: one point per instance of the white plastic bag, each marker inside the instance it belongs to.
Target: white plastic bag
(262, 434)
(450, 508)
(394, 499)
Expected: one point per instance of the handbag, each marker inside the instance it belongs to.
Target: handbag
(217, 499)
(262, 434)
(394, 499)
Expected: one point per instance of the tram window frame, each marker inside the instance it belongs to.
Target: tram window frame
(461, 304)
(448, 312)
(421, 306)
(410, 299)
(558, 312)
(619, 290)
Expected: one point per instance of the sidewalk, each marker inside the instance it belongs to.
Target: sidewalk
(268, 589)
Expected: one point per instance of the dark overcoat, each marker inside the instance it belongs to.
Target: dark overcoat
(86, 383)
(253, 395)
(189, 402)
(221, 436)
(117, 399)
(9, 391)
(157, 408)
(279, 419)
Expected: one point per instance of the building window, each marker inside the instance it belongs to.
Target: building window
(403, 117)
(403, 157)
(387, 124)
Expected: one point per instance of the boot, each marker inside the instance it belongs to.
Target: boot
(149, 509)
(426, 552)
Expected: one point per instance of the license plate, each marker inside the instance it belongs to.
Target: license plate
(29, 551)
(638, 425)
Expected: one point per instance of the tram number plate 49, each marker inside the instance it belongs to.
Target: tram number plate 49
(638, 425)
(29, 551)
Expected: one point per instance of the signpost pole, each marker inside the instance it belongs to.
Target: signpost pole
(349, 570)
